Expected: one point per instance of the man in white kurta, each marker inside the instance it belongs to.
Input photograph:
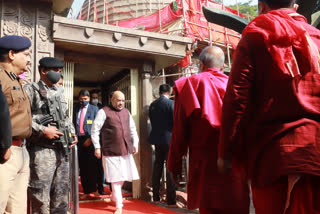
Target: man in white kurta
(119, 141)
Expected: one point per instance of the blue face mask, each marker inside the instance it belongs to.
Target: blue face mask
(84, 103)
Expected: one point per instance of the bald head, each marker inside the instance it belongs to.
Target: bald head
(117, 100)
(212, 57)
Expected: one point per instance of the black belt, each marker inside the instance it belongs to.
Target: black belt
(48, 144)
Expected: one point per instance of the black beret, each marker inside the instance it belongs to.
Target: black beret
(15, 43)
(51, 62)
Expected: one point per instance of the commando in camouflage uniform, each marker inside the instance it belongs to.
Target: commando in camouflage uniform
(49, 165)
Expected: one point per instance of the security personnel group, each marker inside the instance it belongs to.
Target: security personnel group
(36, 133)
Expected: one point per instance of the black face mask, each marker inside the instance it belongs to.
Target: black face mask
(53, 77)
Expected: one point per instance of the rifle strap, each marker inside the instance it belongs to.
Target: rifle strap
(39, 88)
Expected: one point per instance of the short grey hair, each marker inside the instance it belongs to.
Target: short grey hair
(276, 4)
(212, 57)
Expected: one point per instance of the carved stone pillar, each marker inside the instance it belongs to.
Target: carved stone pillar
(43, 39)
(33, 21)
(145, 147)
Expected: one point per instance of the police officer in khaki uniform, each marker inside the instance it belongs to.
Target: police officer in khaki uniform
(49, 162)
(14, 173)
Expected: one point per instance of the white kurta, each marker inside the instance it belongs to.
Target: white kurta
(116, 168)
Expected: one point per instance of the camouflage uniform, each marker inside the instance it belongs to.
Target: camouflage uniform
(49, 178)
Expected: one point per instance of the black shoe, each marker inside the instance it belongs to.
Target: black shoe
(102, 192)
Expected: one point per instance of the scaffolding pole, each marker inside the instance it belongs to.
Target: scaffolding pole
(136, 8)
(159, 15)
(184, 18)
(237, 7)
(104, 12)
(89, 5)
(150, 6)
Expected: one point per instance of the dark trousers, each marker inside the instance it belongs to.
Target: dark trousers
(161, 155)
(89, 167)
(100, 175)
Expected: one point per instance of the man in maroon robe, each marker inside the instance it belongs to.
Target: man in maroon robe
(272, 110)
(197, 112)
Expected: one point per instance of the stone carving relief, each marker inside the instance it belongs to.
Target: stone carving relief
(43, 34)
(10, 19)
(43, 54)
(32, 21)
(44, 28)
(45, 46)
(10, 27)
(27, 23)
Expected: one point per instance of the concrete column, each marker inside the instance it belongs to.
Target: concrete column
(135, 112)
(145, 147)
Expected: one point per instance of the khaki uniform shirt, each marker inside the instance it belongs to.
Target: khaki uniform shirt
(19, 106)
(37, 104)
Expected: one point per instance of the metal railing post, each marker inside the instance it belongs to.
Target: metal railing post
(74, 181)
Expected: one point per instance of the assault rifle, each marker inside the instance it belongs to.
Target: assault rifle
(57, 119)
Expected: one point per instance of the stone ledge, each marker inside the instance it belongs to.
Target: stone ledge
(114, 37)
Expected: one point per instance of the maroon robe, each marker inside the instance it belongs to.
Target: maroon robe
(197, 110)
(272, 101)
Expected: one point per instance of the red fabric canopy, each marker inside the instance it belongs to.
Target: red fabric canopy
(196, 26)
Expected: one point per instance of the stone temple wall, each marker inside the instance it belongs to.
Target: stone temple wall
(33, 21)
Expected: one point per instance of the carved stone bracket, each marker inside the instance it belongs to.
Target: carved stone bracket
(168, 44)
(143, 40)
(89, 32)
(117, 37)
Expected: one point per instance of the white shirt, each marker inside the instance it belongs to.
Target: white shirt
(98, 123)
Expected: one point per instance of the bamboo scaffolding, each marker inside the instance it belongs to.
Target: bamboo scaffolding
(172, 75)
(88, 14)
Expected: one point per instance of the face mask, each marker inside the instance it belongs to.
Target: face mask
(61, 90)
(84, 103)
(95, 102)
(53, 77)
(22, 76)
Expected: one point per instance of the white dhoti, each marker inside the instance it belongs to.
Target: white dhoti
(120, 168)
(117, 170)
